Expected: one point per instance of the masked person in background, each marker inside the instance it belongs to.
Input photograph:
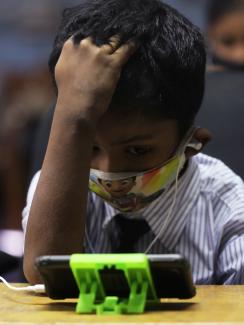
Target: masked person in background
(226, 33)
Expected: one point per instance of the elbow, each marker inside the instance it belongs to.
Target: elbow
(30, 271)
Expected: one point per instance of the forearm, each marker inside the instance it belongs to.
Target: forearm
(57, 217)
(86, 76)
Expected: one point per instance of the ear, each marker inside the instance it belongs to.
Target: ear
(199, 139)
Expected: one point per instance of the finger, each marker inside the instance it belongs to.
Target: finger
(112, 45)
(125, 51)
(87, 41)
(78, 39)
(72, 40)
(68, 42)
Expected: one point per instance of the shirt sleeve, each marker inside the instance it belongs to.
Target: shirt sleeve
(230, 264)
(30, 195)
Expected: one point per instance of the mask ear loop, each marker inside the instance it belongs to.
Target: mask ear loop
(181, 163)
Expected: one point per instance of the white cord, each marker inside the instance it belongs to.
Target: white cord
(89, 242)
(169, 211)
(38, 288)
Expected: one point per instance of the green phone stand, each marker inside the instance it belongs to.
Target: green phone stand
(113, 283)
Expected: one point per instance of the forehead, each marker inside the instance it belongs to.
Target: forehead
(114, 127)
(232, 22)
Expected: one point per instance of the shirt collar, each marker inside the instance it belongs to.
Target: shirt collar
(157, 213)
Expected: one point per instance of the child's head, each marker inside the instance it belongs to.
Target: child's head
(226, 31)
(165, 77)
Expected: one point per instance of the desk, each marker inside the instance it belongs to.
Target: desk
(215, 304)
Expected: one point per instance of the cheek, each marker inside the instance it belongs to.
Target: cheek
(221, 50)
(234, 53)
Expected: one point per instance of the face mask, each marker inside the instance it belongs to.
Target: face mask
(231, 65)
(130, 192)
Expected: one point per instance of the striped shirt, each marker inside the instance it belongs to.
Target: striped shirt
(206, 224)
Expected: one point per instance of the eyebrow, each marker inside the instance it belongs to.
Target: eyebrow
(133, 139)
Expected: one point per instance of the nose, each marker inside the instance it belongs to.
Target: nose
(117, 186)
(108, 163)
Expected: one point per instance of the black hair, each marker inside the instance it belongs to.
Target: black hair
(216, 9)
(165, 76)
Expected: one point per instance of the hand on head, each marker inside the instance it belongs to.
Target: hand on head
(87, 73)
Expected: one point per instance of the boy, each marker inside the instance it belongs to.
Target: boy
(130, 80)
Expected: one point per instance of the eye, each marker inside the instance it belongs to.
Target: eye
(108, 184)
(138, 150)
(125, 182)
(228, 41)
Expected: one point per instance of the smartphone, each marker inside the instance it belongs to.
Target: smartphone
(171, 275)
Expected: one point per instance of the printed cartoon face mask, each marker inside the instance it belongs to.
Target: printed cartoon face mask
(130, 192)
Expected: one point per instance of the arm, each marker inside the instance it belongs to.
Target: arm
(57, 215)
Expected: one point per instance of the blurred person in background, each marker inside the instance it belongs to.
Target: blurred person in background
(223, 105)
(26, 96)
(26, 93)
(225, 33)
